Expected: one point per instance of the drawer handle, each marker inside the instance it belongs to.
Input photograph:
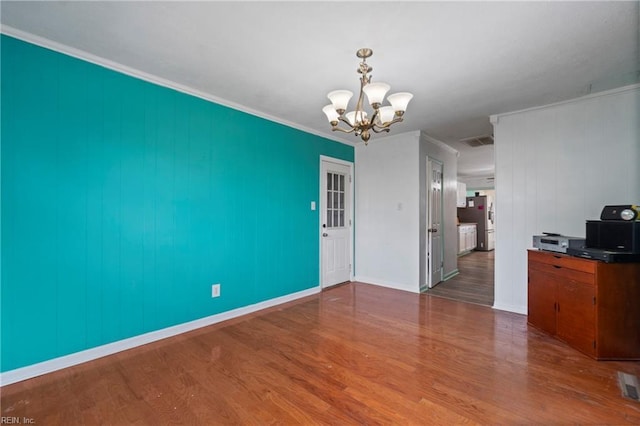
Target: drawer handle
(557, 267)
(557, 257)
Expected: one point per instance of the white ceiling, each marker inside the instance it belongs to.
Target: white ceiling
(462, 60)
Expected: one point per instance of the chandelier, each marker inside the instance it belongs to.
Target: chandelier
(358, 121)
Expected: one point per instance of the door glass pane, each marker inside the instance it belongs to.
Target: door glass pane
(336, 198)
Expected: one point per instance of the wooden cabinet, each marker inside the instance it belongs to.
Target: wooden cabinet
(467, 237)
(591, 305)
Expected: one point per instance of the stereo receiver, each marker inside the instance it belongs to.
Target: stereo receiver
(556, 242)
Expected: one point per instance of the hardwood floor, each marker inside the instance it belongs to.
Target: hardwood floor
(354, 354)
(474, 283)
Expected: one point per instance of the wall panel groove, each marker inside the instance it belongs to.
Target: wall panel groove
(123, 201)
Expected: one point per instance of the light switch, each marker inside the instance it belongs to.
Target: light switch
(313, 205)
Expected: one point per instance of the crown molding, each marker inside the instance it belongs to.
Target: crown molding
(151, 78)
(495, 118)
(439, 143)
(410, 135)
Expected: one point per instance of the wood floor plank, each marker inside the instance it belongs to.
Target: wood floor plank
(353, 354)
(474, 282)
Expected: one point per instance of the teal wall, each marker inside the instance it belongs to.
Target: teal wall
(123, 201)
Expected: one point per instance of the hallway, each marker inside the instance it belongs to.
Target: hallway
(474, 283)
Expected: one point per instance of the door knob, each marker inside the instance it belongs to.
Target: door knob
(324, 234)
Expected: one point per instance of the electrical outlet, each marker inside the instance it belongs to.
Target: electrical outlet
(215, 290)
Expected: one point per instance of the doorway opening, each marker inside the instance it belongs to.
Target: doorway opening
(475, 281)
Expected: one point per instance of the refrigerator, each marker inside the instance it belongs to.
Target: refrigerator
(480, 210)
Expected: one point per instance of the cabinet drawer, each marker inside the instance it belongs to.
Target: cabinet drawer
(563, 261)
(563, 274)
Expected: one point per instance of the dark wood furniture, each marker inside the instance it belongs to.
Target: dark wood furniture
(591, 305)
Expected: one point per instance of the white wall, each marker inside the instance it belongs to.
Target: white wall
(387, 209)
(556, 167)
(390, 196)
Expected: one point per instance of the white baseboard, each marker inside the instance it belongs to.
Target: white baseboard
(34, 370)
(516, 309)
(388, 284)
(451, 275)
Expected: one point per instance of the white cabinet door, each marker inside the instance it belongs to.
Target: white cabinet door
(473, 238)
(462, 195)
(467, 238)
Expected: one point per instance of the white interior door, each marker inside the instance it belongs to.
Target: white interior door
(434, 222)
(335, 222)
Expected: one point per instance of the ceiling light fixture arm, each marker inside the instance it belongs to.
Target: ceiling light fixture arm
(385, 127)
(335, 127)
(377, 129)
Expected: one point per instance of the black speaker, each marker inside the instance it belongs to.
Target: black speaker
(625, 212)
(613, 235)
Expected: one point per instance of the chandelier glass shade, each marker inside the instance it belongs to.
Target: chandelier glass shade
(359, 121)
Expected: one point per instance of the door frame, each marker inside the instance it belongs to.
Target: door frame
(321, 206)
(428, 222)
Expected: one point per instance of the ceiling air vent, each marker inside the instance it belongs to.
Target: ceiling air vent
(477, 141)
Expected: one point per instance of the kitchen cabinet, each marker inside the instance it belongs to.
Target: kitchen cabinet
(462, 195)
(467, 237)
(591, 305)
